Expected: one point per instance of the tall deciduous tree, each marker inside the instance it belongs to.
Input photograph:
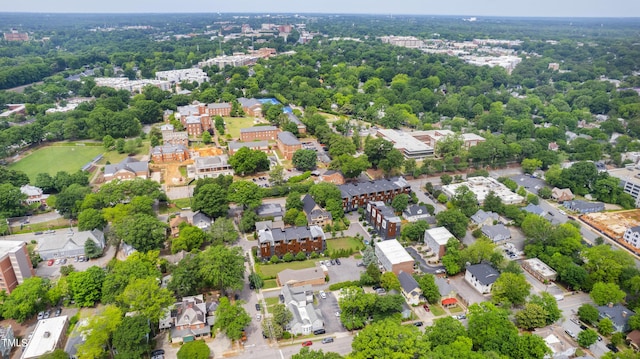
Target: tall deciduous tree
(131, 337)
(305, 160)
(531, 316)
(510, 289)
(144, 296)
(222, 267)
(212, 200)
(142, 231)
(245, 193)
(465, 200)
(429, 288)
(86, 286)
(605, 293)
(98, 332)
(246, 161)
(231, 319)
(453, 220)
(26, 299)
(389, 339)
(190, 238)
(400, 202)
(196, 349)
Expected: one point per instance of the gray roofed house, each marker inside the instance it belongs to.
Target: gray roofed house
(584, 206)
(258, 129)
(484, 218)
(618, 314)
(316, 215)
(481, 277)
(288, 138)
(410, 288)
(302, 128)
(210, 167)
(63, 244)
(128, 168)
(188, 319)
(270, 210)
(497, 233)
(248, 102)
(201, 221)
(415, 212)
(306, 318)
(535, 209)
(445, 289)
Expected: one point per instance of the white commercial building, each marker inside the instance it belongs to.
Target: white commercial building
(393, 257)
(481, 186)
(407, 144)
(436, 239)
(47, 337)
(629, 180)
(123, 83)
(188, 75)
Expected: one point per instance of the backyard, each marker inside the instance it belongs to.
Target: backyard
(52, 159)
(344, 243)
(272, 270)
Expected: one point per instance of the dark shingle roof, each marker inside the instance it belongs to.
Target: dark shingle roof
(407, 282)
(357, 189)
(485, 273)
(288, 138)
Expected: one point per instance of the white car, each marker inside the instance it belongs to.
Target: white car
(338, 314)
(258, 316)
(323, 295)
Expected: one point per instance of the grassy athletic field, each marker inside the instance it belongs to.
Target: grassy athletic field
(52, 159)
(234, 124)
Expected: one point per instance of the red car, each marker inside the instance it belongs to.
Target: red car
(308, 343)
(426, 307)
(50, 262)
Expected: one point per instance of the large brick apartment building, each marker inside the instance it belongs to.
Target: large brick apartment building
(383, 219)
(356, 195)
(170, 153)
(288, 144)
(15, 264)
(280, 241)
(259, 133)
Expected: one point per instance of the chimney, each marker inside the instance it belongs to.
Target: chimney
(610, 305)
(624, 313)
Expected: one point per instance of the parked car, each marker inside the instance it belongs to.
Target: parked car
(58, 312)
(58, 261)
(308, 343)
(333, 262)
(50, 262)
(570, 333)
(40, 315)
(47, 314)
(319, 331)
(157, 354)
(338, 314)
(323, 295)
(418, 324)
(338, 261)
(440, 271)
(327, 340)
(426, 307)
(259, 316)
(612, 347)
(381, 291)
(258, 306)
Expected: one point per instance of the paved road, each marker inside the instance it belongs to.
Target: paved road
(423, 264)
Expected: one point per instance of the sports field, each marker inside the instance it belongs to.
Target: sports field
(52, 159)
(234, 124)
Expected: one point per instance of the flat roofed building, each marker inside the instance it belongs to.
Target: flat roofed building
(384, 219)
(629, 180)
(6, 341)
(48, 336)
(471, 139)
(264, 133)
(407, 144)
(539, 269)
(234, 146)
(481, 186)
(123, 83)
(188, 75)
(431, 137)
(393, 257)
(15, 264)
(436, 239)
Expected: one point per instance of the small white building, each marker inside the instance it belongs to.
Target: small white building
(632, 236)
(436, 239)
(70, 243)
(481, 277)
(48, 336)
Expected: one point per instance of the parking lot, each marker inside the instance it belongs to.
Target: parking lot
(328, 307)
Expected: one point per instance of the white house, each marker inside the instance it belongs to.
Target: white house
(69, 243)
(306, 318)
(410, 288)
(481, 277)
(497, 233)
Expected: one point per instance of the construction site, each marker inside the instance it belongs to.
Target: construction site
(175, 173)
(614, 224)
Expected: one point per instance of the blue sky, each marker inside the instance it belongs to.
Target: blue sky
(546, 8)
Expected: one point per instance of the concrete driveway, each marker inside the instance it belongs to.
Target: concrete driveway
(423, 264)
(466, 291)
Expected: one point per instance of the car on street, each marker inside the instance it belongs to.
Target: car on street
(338, 314)
(50, 262)
(612, 347)
(323, 295)
(333, 262)
(319, 331)
(570, 333)
(58, 261)
(258, 306)
(327, 340)
(308, 343)
(440, 271)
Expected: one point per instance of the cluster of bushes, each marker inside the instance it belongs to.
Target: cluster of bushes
(341, 253)
(349, 283)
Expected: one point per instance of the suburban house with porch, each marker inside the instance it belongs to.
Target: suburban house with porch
(188, 320)
(410, 288)
(306, 318)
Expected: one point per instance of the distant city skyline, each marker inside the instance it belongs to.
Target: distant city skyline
(541, 8)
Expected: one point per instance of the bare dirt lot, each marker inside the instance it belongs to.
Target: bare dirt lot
(614, 224)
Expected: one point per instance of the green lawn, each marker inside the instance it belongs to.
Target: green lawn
(52, 159)
(271, 270)
(272, 301)
(270, 283)
(343, 243)
(437, 310)
(234, 124)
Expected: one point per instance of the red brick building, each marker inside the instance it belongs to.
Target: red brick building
(383, 219)
(259, 133)
(169, 153)
(356, 195)
(288, 144)
(219, 109)
(15, 264)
